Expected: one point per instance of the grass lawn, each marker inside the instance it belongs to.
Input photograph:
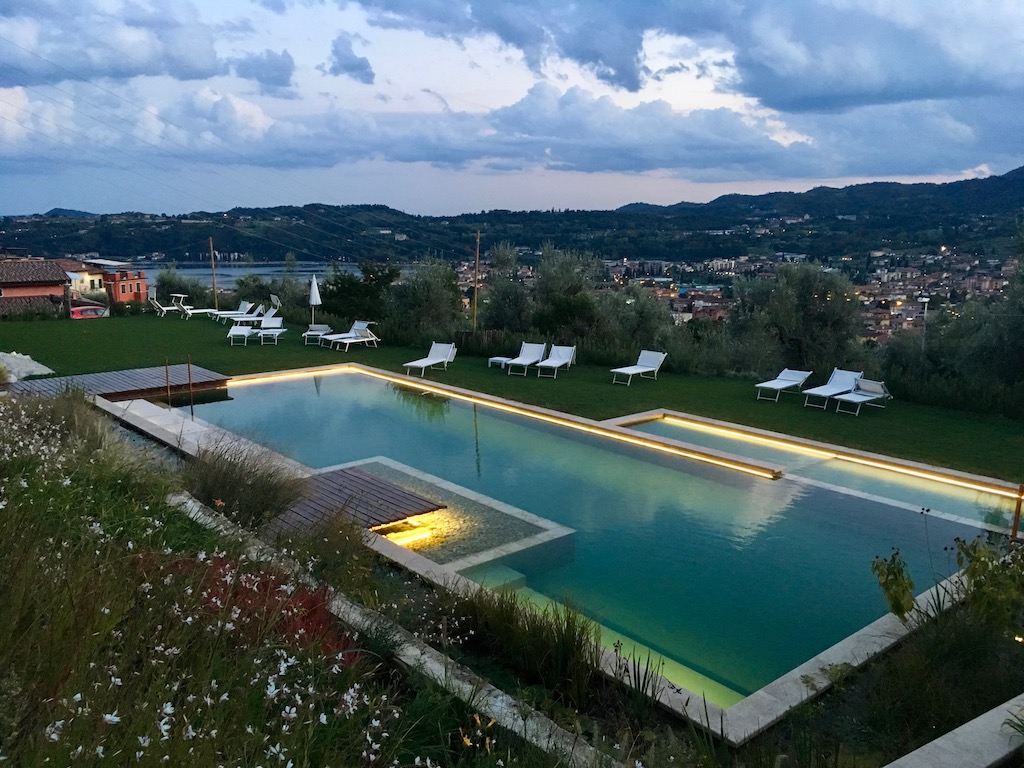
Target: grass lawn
(987, 445)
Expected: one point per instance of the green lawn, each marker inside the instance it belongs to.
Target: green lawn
(987, 445)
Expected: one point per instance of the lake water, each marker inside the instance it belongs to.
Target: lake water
(228, 273)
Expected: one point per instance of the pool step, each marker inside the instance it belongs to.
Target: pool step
(501, 577)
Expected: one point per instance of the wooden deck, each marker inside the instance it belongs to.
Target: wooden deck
(131, 384)
(354, 494)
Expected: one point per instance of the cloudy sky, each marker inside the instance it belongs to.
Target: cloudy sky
(448, 106)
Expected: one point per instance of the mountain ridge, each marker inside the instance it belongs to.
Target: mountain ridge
(992, 194)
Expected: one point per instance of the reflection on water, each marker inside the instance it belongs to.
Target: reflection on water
(427, 406)
(919, 493)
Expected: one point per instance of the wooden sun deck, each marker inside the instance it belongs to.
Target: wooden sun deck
(355, 495)
(131, 384)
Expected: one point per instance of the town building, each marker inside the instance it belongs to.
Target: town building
(33, 287)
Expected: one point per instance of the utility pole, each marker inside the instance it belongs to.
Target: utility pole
(924, 323)
(476, 279)
(213, 269)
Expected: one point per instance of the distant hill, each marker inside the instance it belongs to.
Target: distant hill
(68, 213)
(979, 216)
(994, 194)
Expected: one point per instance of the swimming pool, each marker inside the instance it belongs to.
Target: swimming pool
(733, 578)
(810, 464)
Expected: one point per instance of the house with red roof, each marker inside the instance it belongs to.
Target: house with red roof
(33, 287)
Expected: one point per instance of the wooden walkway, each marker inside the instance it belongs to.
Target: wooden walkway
(131, 384)
(354, 494)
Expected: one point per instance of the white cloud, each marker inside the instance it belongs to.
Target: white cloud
(712, 90)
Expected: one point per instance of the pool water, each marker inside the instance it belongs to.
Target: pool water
(918, 493)
(733, 578)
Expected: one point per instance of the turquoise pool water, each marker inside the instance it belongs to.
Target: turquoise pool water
(738, 578)
(915, 492)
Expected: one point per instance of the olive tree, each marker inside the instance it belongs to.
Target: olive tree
(506, 302)
(426, 306)
(565, 305)
(814, 314)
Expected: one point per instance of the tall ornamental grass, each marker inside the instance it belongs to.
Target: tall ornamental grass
(133, 637)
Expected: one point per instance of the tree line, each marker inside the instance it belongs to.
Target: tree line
(804, 317)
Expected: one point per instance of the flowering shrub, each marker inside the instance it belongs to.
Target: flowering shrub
(129, 638)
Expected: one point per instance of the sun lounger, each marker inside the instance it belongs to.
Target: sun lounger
(252, 318)
(360, 333)
(162, 310)
(788, 379)
(865, 392)
(646, 367)
(270, 327)
(362, 336)
(529, 354)
(312, 334)
(244, 308)
(559, 357)
(187, 310)
(839, 383)
(438, 356)
(239, 334)
(271, 330)
(328, 339)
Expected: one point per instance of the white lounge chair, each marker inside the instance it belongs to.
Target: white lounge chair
(270, 330)
(363, 336)
(312, 334)
(162, 310)
(559, 357)
(328, 339)
(254, 310)
(239, 334)
(438, 356)
(187, 310)
(252, 318)
(244, 308)
(270, 327)
(360, 334)
(647, 366)
(865, 392)
(529, 354)
(788, 379)
(839, 383)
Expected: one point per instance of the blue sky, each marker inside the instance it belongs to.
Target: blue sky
(442, 107)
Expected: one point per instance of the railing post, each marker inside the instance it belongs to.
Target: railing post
(191, 398)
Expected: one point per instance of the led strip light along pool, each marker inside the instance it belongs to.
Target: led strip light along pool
(750, 469)
(996, 490)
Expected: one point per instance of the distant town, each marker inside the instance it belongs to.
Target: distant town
(901, 287)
